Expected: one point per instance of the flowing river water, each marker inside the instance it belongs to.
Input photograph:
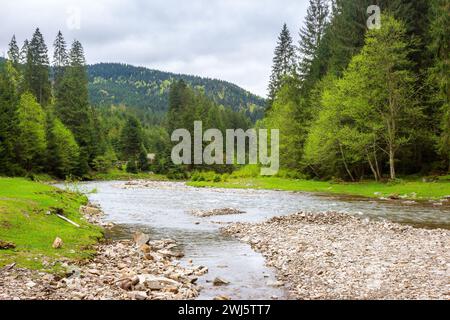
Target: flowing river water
(163, 209)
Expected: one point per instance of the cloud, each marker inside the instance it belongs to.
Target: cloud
(231, 40)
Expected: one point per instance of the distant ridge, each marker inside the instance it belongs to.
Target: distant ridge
(140, 87)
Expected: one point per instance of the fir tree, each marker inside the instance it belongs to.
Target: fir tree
(8, 105)
(24, 52)
(37, 69)
(60, 57)
(283, 62)
(311, 34)
(13, 52)
(72, 99)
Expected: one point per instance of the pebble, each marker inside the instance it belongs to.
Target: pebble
(333, 255)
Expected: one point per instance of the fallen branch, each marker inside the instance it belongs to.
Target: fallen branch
(68, 220)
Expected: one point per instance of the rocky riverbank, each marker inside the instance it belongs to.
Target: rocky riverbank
(338, 256)
(120, 270)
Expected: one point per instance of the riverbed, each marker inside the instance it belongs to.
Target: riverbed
(163, 209)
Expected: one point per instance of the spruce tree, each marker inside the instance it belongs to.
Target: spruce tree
(131, 138)
(37, 69)
(8, 105)
(60, 57)
(348, 27)
(72, 105)
(13, 52)
(311, 34)
(24, 52)
(283, 62)
(72, 99)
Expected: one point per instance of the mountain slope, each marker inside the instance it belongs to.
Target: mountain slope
(113, 83)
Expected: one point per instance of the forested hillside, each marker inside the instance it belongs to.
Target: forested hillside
(49, 125)
(116, 84)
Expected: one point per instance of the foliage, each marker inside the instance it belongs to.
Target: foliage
(146, 89)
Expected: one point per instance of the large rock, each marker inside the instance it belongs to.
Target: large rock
(220, 282)
(91, 211)
(58, 243)
(141, 238)
(156, 283)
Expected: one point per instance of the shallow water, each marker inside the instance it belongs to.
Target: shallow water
(163, 210)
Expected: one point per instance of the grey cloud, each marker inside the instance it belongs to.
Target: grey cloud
(227, 39)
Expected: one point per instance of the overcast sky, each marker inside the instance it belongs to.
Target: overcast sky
(231, 40)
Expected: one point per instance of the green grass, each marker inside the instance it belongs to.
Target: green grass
(24, 221)
(119, 175)
(415, 189)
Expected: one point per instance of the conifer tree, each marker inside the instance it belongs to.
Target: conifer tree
(283, 62)
(37, 69)
(72, 100)
(311, 34)
(60, 57)
(13, 52)
(24, 52)
(8, 105)
(72, 105)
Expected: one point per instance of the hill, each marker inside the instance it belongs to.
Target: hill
(113, 83)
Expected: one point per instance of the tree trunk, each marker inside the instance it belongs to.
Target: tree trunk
(392, 162)
(372, 168)
(345, 163)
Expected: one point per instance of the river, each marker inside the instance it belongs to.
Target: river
(162, 209)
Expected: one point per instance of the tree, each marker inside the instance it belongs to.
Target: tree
(439, 72)
(290, 117)
(62, 149)
(37, 69)
(283, 62)
(372, 108)
(60, 57)
(24, 52)
(131, 138)
(13, 52)
(31, 138)
(72, 103)
(347, 29)
(8, 105)
(311, 35)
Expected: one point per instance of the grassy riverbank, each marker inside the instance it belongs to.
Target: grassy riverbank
(28, 220)
(408, 189)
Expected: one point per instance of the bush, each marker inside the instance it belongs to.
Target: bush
(101, 164)
(248, 171)
(131, 166)
(291, 174)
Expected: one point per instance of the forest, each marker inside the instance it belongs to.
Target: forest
(49, 124)
(121, 84)
(354, 103)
